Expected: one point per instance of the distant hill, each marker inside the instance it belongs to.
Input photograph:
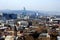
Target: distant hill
(29, 12)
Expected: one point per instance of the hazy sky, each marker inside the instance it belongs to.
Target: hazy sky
(47, 5)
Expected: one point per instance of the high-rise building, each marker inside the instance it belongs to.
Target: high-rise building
(9, 16)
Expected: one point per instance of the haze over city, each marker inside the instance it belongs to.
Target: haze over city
(46, 5)
(29, 19)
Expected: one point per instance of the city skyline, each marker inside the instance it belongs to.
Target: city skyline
(46, 5)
